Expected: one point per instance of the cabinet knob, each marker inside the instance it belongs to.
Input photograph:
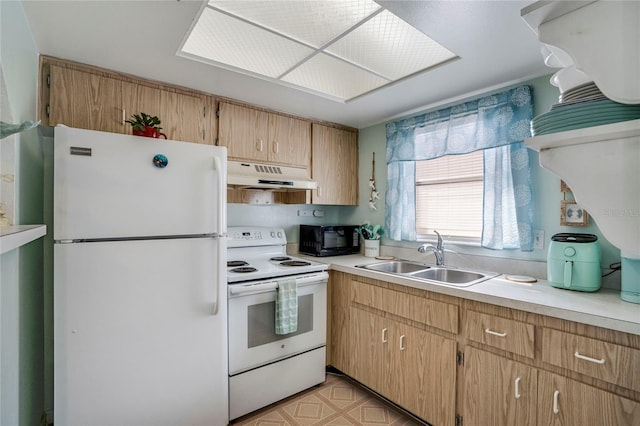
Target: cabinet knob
(556, 404)
(259, 145)
(517, 388)
(276, 147)
(402, 342)
(384, 335)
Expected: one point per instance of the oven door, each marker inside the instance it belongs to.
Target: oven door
(252, 338)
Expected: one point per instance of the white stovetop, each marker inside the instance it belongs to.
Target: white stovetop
(603, 308)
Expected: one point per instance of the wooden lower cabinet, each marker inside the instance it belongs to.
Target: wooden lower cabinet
(339, 351)
(498, 391)
(565, 402)
(409, 366)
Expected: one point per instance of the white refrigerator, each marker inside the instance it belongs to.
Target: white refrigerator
(140, 309)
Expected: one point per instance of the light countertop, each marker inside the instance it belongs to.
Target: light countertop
(603, 308)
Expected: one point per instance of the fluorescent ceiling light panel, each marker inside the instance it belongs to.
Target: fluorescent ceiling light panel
(311, 22)
(336, 48)
(226, 40)
(390, 47)
(320, 74)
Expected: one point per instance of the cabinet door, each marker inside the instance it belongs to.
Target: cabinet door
(427, 388)
(182, 116)
(498, 391)
(565, 402)
(244, 131)
(338, 311)
(83, 100)
(290, 141)
(370, 349)
(334, 167)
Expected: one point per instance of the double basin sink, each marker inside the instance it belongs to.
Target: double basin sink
(434, 274)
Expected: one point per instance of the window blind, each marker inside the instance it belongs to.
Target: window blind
(449, 195)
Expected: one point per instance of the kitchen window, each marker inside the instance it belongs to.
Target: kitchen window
(449, 192)
(431, 186)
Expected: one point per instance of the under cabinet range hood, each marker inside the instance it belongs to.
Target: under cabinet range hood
(244, 175)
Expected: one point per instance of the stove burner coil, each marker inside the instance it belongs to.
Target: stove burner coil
(234, 263)
(280, 258)
(244, 269)
(295, 263)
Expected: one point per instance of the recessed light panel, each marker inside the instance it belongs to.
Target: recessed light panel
(389, 46)
(337, 48)
(220, 38)
(319, 74)
(312, 22)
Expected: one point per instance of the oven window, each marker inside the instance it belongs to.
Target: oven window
(262, 321)
(335, 239)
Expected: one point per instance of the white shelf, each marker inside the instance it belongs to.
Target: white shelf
(12, 237)
(600, 164)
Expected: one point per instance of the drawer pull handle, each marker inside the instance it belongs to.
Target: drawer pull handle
(587, 358)
(384, 335)
(494, 333)
(517, 388)
(556, 406)
(402, 342)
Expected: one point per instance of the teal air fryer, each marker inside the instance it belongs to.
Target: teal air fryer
(573, 262)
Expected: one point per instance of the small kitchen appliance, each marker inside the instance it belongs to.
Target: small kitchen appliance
(264, 366)
(329, 240)
(573, 262)
(630, 289)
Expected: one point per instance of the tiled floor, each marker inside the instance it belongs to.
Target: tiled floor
(337, 402)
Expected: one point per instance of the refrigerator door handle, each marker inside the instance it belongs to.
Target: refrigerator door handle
(221, 229)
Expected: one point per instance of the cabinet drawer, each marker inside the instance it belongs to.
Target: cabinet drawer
(426, 311)
(612, 363)
(502, 333)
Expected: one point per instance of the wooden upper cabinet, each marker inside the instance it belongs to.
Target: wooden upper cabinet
(255, 135)
(334, 167)
(96, 101)
(85, 100)
(290, 140)
(183, 117)
(243, 131)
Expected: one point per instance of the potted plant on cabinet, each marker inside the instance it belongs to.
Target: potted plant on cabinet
(145, 125)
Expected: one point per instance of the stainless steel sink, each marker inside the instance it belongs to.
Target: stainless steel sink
(452, 276)
(396, 267)
(433, 274)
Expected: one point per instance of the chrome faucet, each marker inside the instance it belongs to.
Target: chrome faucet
(438, 250)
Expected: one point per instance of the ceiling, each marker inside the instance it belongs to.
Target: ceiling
(495, 46)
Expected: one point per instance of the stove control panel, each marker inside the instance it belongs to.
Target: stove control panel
(255, 236)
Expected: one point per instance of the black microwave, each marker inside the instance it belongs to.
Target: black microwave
(329, 240)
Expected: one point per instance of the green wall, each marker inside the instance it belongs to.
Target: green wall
(19, 59)
(546, 187)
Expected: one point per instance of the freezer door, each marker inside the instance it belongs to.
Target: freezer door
(135, 338)
(108, 185)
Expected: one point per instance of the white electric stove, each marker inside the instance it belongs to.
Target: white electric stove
(265, 367)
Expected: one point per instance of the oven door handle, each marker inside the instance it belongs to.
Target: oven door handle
(253, 288)
(272, 285)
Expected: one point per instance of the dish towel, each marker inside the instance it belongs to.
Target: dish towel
(287, 307)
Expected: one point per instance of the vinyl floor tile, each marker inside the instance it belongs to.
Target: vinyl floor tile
(336, 402)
